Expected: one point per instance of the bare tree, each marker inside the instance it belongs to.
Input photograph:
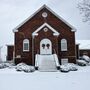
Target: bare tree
(84, 8)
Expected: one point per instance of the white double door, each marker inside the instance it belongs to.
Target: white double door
(45, 46)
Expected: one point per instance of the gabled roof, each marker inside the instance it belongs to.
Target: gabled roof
(44, 6)
(55, 33)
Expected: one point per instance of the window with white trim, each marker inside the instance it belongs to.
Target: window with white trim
(63, 45)
(64, 61)
(25, 45)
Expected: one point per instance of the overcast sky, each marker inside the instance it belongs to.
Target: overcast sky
(13, 12)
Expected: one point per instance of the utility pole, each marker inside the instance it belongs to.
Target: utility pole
(0, 54)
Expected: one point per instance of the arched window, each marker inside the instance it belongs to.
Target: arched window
(63, 45)
(25, 45)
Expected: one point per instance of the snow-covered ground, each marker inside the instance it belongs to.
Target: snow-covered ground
(10, 79)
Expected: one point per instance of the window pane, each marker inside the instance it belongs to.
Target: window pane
(25, 46)
(63, 45)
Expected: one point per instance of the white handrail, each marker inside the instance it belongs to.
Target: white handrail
(36, 60)
(56, 60)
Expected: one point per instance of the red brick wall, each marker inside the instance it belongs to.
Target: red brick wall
(71, 52)
(35, 22)
(84, 52)
(10, 49)
(77, 51)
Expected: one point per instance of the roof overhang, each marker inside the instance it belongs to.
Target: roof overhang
(44, 6)
(9, 45)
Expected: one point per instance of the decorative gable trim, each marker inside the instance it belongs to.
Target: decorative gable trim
(44, 6)
(35, 33)
(15, 30)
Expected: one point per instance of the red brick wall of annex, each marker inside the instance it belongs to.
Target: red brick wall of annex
(10, 49)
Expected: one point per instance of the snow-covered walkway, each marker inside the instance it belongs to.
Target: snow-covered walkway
(74, 80)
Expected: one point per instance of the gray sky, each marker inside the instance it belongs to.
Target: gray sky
(13, 12)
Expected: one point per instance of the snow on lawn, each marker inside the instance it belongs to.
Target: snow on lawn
(10, 79)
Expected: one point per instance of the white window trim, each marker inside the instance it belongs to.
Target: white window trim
(26, 43)
(66, 48)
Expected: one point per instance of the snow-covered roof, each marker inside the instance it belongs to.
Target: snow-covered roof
(44, 6)
(83, 44)
(9, 45)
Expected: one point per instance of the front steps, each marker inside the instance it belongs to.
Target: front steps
(46, 63)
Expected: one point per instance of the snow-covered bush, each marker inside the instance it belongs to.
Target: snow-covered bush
(81, 62)
(86, 58)
(88, 64)
(5, 64)
(24, 67)
(9, 64)
(2, 65)
(29, 69)
(72, 67)
(63, 68)
(68, 67)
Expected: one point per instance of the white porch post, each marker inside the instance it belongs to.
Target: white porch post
(0, 54)
(33, 49)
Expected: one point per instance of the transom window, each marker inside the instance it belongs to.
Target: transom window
(63, 45)
(25, 45)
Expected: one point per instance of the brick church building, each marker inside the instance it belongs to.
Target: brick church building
(44, 34)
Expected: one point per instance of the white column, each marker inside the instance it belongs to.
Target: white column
(33, 50)
(0, 54)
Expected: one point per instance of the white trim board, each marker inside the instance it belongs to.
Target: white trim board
(35, 33)
(44, 6)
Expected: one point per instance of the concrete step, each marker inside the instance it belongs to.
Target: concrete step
(47, 63)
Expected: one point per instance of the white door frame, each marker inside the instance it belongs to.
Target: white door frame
(45, 46)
